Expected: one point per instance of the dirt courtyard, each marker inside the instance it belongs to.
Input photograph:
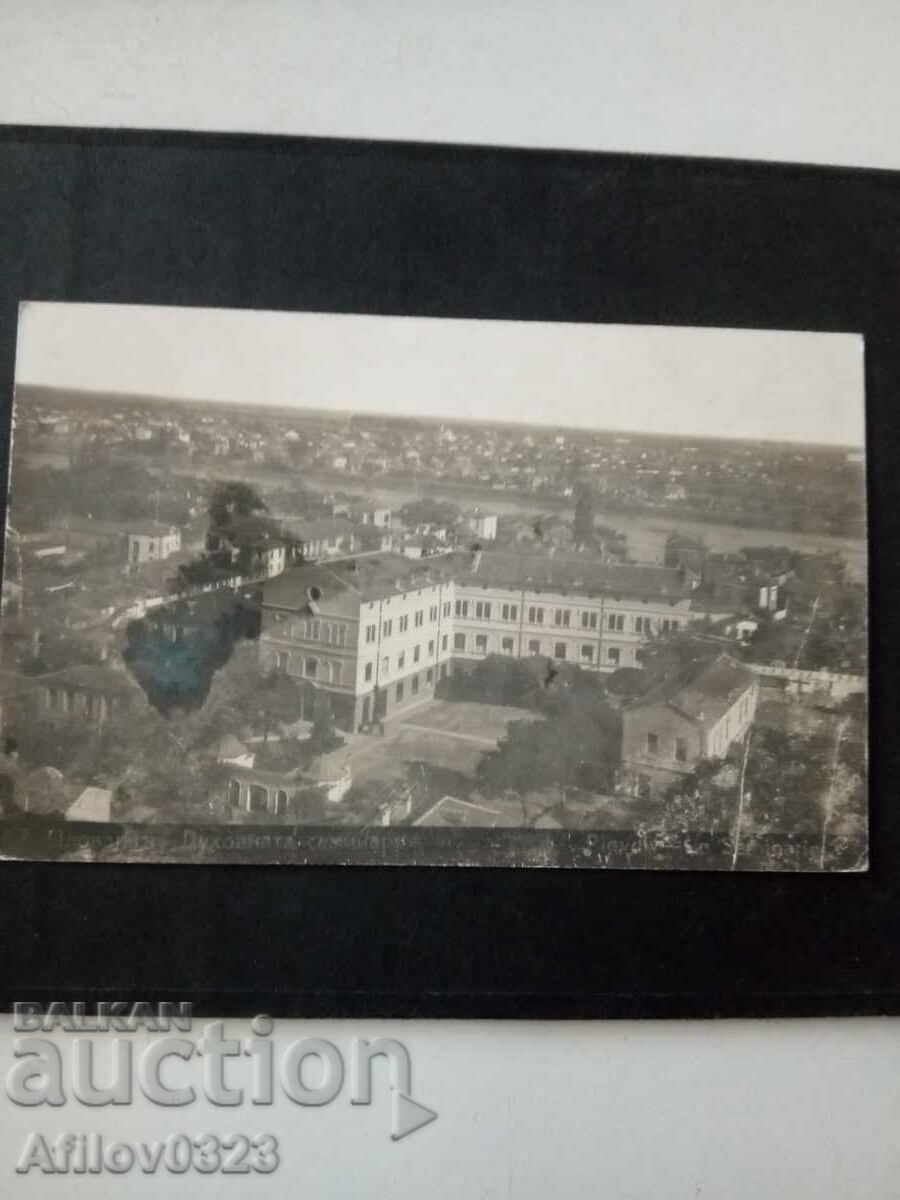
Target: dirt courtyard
(452, 735)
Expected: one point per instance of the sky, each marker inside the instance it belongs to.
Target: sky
(783, 386)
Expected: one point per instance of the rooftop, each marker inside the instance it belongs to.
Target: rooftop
(152, 529)
(708, 695)
(567, 573)
(341, 586)
(88, 678)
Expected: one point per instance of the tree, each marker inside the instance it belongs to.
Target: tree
(323, 737)
(274, 700)
(233, 499)
(585, 510)
(577, 745)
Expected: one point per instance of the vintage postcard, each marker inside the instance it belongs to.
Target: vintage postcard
(316, 588)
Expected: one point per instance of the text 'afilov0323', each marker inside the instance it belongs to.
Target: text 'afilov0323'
(308, 587)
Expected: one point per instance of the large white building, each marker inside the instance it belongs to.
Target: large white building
(376, 633)
(575, 610)
(372, 634)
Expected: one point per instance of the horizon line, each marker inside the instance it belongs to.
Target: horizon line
(149, 397)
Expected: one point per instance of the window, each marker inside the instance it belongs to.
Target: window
(588, 620)
(312, 667)
(234, 793)
(641, 624)
(652, 743)
(404, 624)
(401, 661)
(433, 613)
(415, 685)
(616, 621)
(416, 651)
(386, 628)
(483, 610)
(385, 665)
(459, 641)
(561, 617)
(612, 655)
(370, 633)
(280, 806)
(559, 650)
(447, 609)
(666, 626)
(431, 649)
(419, 617)
(507, 645)
(282, 661)
(257, 799)
(534, 647)
(444, 642)
(587, 653)
(481, 643)
(368, 672)
(399, 692)
(462, 608)
(680, 750)
(509, 612)
(429, 675)
(535, 616)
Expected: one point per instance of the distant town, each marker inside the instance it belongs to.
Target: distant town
(228, 615)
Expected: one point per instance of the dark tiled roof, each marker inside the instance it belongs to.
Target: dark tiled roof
(322, 527)
(567, 573)
(709, 695)
(346, 583)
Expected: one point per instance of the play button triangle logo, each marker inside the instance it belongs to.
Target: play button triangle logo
(408, 1116)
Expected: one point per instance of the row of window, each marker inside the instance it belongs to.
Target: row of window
(586, 653)
(368, 670)
(484, 610)
(679, 748)
(331, 632)
(560, 617)
(310, 667)
(414, 683)
(64, 701)
(387, 626)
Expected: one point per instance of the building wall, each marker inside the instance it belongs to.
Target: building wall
(144, 547)
(61, 701)
(404, 641)
(397, 648)
(661, 765)
(732, 726)
(388, 657)
(594, 632)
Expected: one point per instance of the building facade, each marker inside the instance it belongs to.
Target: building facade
(581, 611)
(483, 525)
(152, 543)
(372, 636)
(376, 634)
(667, 734)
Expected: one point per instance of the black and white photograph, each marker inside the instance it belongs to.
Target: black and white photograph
(310, 587)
